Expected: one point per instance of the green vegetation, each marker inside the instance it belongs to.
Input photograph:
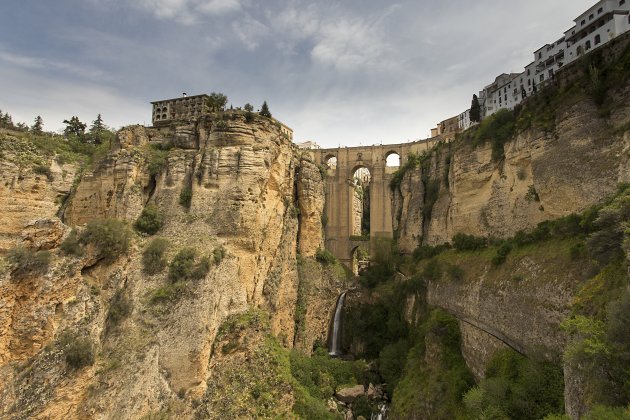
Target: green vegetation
(463, 242)
(185, 197)
(517, 387)
(217, 101)
(71, 245)
(111, 237)
(264, 110)
(434, 389)
(150, 221)
(498, 128)
(475, 109)
(412, 162)
(254, 386)
(325, 256)
(157, 159)
(78, 350)
(184, 266)
(43, 170)
(27, 262)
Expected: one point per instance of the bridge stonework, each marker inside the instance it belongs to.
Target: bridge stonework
(340, 191)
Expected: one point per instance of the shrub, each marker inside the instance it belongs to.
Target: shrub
(119, 308)
(43, 170)
(502, 252)
(218, 254)
(150, 221)
(392, 360)
(78, 350)
(427, 251)
(157, 160)
(463, 242)
(497, 128)
(185, 197)
(111, 237)
(71, 245)
(454, 272)
(27, 261)
(325, 256)
(153, 256)
(167, 293)
(183, 266)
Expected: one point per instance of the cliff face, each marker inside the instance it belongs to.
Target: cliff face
(543, 176)
(251, 193)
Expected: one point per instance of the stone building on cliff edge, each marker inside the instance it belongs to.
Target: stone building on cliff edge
(186, 107)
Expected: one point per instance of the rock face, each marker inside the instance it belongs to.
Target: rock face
(231, 185)
(543, 176)
(26, 194)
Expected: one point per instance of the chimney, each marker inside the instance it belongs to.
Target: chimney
(184, 94)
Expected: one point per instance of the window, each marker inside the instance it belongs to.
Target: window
(528, 72)
(587, 46)
(529, 82)
(505, 98)
(542, 77)
(539, 55)
(622, 2)
(583, 22)
(590, 17)
(601, 9)
(598, 39)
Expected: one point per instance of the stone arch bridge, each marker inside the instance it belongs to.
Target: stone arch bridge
(340, 192)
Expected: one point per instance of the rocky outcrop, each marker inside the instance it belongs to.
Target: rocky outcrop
(32, 187)
(230, 188)
(542, 176)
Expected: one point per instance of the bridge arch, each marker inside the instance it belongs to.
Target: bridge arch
(340, 230)
(392, 159)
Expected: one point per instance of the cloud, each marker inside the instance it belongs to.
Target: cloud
(218, 7)
(186, 12)
(250, 31)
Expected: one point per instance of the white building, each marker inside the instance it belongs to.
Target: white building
(308, 145)
(593, 28)
(596, 26)
(495, 95)
(463, 120)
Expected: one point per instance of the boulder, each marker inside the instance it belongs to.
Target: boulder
(347, 395)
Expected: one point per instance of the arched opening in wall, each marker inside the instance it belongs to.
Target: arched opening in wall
(360, 183)
(331, 162)
(360, 259)
(392, 159)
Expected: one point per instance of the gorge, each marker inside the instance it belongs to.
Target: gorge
(193, 270)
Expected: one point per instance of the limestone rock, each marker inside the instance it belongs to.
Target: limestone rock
(347, 395)
(135, 135)
(43, 233)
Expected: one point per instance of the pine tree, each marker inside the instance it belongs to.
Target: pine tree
(74, 127)
(475, 110)
(36, 128)
(96, 130)
(264, 110)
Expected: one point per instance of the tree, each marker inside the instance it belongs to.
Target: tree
(475, 110)
(74, 127)
(217, 101)
(97, 130)
(264, 110)
(248, 107)
(36, 128)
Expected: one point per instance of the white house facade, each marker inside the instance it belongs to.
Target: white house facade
(596, 26)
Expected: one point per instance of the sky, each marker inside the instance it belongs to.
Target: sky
(340, 73)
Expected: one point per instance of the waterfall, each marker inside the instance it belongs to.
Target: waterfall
(334, 346)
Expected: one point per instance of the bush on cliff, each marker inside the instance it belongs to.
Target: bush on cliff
(111, 237)
(463, 242)
(28, 262)
(153, 260)
(183, 266)
(518, 387)
(78, 350)
(150, 221)
(71, 245)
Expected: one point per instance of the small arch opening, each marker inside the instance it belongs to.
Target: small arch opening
(331, 162)
(360, 184)
(392, 160)
(360, 260)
